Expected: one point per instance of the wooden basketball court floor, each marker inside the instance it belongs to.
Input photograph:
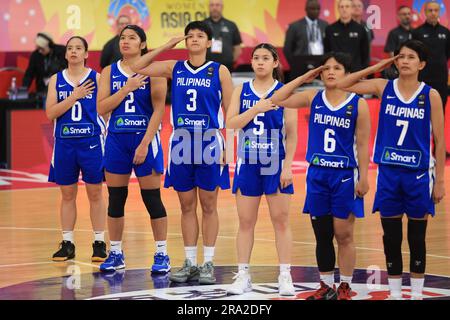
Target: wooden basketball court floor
(30, 233)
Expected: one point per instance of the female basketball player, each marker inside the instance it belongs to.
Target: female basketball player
(136, 104)
(196, 145)
(336, 180)
(79, 130)
(266, 147)
(409, 179)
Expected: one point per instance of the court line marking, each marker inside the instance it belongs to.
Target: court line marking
(24, 264)
(219, 236)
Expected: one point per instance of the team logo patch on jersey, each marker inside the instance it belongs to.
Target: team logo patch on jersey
(407, 158)
(349, 111)
(130, 122)
(192, 121)
(210, 72)
(330, 161)
(77, 130)
(421, 100)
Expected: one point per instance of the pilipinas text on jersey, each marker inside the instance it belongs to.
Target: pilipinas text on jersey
(331, 133)
(196, 97)
(404, 129)
(134, 112)
(264, 136)
(82, 120)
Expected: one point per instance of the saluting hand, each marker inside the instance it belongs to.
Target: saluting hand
(312, 74)
(385, 63)
(172, 43)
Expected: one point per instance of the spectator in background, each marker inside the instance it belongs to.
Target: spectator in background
(346, 35)
(111, 51)
(305, 38)
(437, 38)
(45, 61)
(402, 33)
(226, 42)
(397, 37)
(357, 15)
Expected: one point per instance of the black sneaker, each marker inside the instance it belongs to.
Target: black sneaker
(66, 251)
(99, 251)
(324, 293)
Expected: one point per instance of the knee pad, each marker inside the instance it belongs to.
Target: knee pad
(392, 241)
(117, 198)
(324, 233)
(153, 203)
(416, 240)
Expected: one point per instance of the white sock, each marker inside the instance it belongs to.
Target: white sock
(245, 267)
(161, 246)
(99, 236)
(417, 286)
(328, 279)
(346, 279)
(395, 286)
(67, 236)
(116, 246)
(208, 254)
(191, 254)
(285, 268)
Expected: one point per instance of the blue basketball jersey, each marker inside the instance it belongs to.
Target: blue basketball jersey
(266, 133)
(134, 112)
(82, 120)
(404, 129)
(331, 136)
(196, 97)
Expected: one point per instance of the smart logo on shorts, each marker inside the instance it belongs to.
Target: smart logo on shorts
(400, 157)
(77, 130)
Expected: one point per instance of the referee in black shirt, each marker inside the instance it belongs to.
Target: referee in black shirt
(437, 38)
(346, 35)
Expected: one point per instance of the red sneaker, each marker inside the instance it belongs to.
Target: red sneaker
(324, 293)
(343, 291)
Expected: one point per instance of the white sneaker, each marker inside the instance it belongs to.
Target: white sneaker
(416, 297)
(242, 283)
(285, 286)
